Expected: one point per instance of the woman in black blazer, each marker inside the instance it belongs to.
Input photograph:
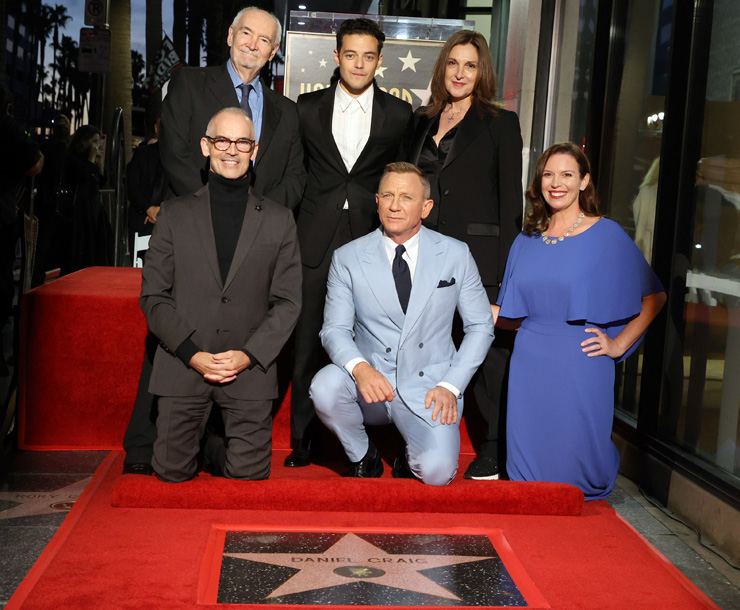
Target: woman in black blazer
(471, 150)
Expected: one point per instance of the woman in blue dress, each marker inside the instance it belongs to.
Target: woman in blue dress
(585, 296)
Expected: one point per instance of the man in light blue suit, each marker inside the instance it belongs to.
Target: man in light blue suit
(387, 328)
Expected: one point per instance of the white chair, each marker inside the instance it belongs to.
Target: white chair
(141, 244)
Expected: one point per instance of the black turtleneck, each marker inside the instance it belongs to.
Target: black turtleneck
(228, 205)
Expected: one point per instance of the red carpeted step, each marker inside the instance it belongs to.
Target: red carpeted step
(322, 488)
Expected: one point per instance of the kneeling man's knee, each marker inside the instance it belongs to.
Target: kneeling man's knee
(326, 387)
(435, 468)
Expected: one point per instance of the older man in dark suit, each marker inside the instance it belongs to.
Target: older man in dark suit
(221, 291)
(196, 94)
(277, 172)
(350, 131)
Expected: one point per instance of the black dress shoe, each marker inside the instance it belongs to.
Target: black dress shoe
(300, 456)
(401, 468)
(145, 469)
(369, 467)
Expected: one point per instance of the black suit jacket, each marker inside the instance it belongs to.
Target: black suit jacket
(194, 96)
(329, 183)
(480, 188)
(183, 296)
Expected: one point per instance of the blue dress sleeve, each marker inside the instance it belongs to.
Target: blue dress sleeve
(512, 306)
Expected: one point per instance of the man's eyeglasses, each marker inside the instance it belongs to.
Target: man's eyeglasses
(242, 145)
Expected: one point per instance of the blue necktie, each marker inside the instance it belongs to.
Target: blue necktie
(402, 277)
(246, 89)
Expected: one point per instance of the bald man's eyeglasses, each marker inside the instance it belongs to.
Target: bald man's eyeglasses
(223, 144)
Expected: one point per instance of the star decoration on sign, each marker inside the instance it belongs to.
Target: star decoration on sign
(409, 62)
(352, 559)
(322, 63)
(31, 503)
(424, 94)
(310, 52)
(303, 69)
(381, 71)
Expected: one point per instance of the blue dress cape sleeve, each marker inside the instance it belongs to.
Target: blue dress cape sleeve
(606, 281)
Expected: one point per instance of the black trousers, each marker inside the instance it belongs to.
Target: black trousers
(309, 355)
(138, 442)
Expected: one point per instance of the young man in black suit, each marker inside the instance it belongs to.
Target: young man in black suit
(350, 131)
(277, 172)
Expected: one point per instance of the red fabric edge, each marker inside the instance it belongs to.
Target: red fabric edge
(211, 567)
(689, 586)
(22, 445)
(55, 544)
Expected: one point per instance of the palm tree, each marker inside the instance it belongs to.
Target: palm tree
(153, 42)
(119, 81)
(179, 16)
(59, 18)
(195, 31)
(65, 65)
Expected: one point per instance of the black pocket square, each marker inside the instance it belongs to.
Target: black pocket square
(445, 283)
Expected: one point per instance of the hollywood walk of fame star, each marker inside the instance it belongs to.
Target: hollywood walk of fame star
(31, 503)
(381, 71)
(353, 559)
(423, 94)
(409, 62)
(322, 63)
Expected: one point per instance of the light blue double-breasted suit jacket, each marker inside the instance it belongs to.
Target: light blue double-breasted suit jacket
(414, 351)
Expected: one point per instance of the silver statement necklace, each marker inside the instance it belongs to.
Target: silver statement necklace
(554, 240)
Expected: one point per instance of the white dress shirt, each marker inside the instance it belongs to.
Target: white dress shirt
(410, 256)
(350, 124)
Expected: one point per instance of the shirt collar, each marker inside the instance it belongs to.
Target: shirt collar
(344, 99)
(236, 80)
(411, 245)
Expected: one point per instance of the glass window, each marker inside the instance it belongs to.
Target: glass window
(701, 389)
(630, 163)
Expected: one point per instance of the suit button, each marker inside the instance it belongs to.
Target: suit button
(443, 222)
(224, 300)
(421, 373)
(447, 192)
(387, 350)
(421, 345)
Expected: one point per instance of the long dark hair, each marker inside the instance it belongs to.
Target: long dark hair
(484, 91)
(81, 138)
(537, 217)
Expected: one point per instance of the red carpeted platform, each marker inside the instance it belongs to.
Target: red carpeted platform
(127, 558)
(81, 349)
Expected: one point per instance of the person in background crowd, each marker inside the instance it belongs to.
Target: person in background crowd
(471, 150)
(20, 158)
(90, 234)
(585, 295)
(350, 131)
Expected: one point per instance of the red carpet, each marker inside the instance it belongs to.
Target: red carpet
(121, 558)
(318, 488)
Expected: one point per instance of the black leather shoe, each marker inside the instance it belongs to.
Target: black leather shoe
(300, 456)
(145, 469)
(369, 467)
(401, 468)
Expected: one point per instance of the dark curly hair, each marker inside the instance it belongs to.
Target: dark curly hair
(537, 217)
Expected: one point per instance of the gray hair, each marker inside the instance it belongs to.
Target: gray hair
(278, 25)
(229, 110)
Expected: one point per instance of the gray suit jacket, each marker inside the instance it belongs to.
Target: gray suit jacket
(182, 295)
(363, 317)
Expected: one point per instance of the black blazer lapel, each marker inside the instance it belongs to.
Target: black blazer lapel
(200, 207)
(326, 114)
(470, 128)
(221, 86)
(250, 226)
(376, 124)
(270, 119)
(422, 130)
